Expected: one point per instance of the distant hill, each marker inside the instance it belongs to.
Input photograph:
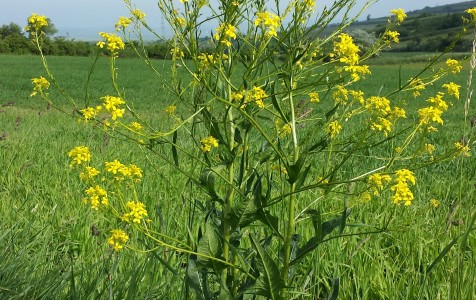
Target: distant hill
(428, 29)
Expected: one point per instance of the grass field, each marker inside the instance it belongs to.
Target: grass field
(53, 247)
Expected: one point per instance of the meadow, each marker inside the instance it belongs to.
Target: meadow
(53, 247)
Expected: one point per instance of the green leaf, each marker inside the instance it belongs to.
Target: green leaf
(331, 112)
(207, 179)
(276, 103)
(211, 246)
(270, 282)
(196, 280)
(335, 290)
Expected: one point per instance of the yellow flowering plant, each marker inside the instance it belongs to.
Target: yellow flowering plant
(244, 116)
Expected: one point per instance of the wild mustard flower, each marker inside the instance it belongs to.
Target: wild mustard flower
(434, 203)
(118, 239)
(378, 182)
(79, 155)
(135, 171)
(333, 128)
(310, 5)
(136, 212)
(401, 189)
(430, 114)
(453, 66)
(170, 110)
(452, 89)
(392, 36)
(180, 22)
(90, 112)
(417, 85)
(257, 95)
(341, 94)
(462, 149)
(282, 128)
(346, 50)
(135, 126)
(357, 71)
(39, 84)
(88, 173)
(430, 148)
(122, 23)
(97, 197)
(314, 97)
(36, 23)
(438, 102)
(270, 21)
(472, 12)
(224, 33)
(177, 53)
(111, 104)
(138, 14)
(112, 42)
(399, 14)
(208, 143)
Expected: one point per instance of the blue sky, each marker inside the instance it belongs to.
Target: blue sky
(83, 19)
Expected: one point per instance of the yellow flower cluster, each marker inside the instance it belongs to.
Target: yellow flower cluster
(382, 114)
(121, 171)
(453, 66)
(346, 50)
(433, 113)
(135, 126)
(314, 97)
(399, 15)
(417, 85)
(434, 203)
(207, 60)
(122, 23)
(357, 71)
(90, 112)
(208, 143)
(282, 128)
(117, 240)
(333, 128)
(472, 12)
(430, 148)
(112, 42)
(270, 21)
(112, 105)
(257, 95)
(170, 109)
(39, 84)
(177, 53)
(138, 14)
(136, 212)
(392, 36)
(36, 23)
(97, 196)
(462, 149)
(378, 182)
(79, 155)
(401, 188)
(224, 33)
(340, 95)
(88, 173)
(452, 89)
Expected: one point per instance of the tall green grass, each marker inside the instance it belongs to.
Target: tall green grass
(53, 247)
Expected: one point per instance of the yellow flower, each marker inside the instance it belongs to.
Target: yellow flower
(135, 171)
(346, 50)
(417, 85)
(392, 36)
(452, 89)
(36, 23)
(401, 189)
(97, 196)
(79, 155)
(177, 52)
(365, 197)
(122, 23)
(270, 21)
(112, 103)
(208, 143)
(138, 14)
(181, 22)
(224, 33)
(88, 173)
(117, 240)
(282, 128)
(39, 84)
(314, 97)
(472, 12)
(257, 95)
(438, 102)
(453, 65)
(341, 94)
(357, 71)
(112, 42)
(136, 212)
(430, 114)
(430, 148)
(434, 203)
(135, 126)
(90, 112)
(462, 149)
(333, 128)
(170, 109)
(399, 15)
(382, 124)
(378, 182)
